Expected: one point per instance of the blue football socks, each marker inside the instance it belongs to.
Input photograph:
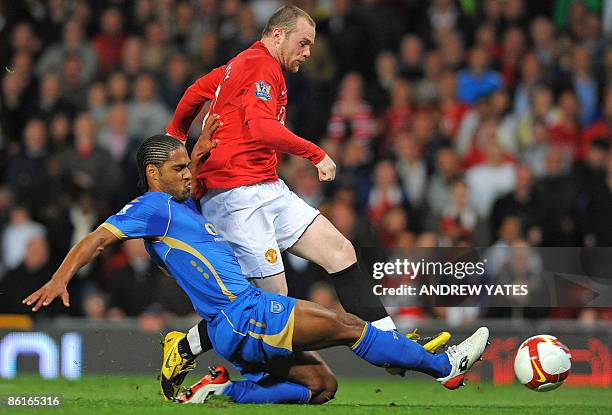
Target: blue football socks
(391, 349)
(246, 391)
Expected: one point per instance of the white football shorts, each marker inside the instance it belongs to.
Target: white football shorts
(259, 221)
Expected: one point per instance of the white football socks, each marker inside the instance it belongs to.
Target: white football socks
(193, 338)
(384, 324)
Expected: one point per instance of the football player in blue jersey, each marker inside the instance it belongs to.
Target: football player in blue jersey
(269, 338)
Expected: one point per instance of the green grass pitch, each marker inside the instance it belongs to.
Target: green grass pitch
(135, 395)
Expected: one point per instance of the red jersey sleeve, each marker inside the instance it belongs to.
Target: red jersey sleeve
(192, 101)
(260, 104)
(274, 135)
(261, 91)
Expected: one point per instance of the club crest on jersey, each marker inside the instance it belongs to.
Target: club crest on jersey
(276, 307)
(262, 90)
(271, 256)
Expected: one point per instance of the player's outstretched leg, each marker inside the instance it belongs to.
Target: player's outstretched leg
(317, 327)
(431, 344)
(301, 378)
(218, 382)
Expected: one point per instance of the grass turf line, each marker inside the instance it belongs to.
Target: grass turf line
(130, 394)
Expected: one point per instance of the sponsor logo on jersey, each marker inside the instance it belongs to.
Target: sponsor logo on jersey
(276, 307)
(262, 90)
(271, 256)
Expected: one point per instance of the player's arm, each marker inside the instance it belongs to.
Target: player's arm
(259, 103)
(273, 134)
(192, 101)
(205, 143)
(81, 254)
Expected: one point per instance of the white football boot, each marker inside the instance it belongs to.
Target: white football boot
(463, 356)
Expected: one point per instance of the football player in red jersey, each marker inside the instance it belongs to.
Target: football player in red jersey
(241, 192)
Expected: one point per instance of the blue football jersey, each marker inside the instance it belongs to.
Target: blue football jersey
(186, 245)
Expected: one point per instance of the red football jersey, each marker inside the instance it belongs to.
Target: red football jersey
(250, 86)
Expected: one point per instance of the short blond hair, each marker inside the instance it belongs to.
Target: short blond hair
(286, 19)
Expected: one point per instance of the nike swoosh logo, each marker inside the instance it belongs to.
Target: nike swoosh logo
(283, 92)
(542, 377)
(167, 361)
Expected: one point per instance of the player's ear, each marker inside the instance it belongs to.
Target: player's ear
(152, 173)
(278, 35)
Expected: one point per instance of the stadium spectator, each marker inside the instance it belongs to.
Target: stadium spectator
(132, 57)
(386, 192)
(452, 111)
(174, 80)
(426, 88)
(351, 115)
(86, 165)
(398, 115)
(411, 58)
(14, 107)
(541, 110)
(524, 203)
(74, 90)
(559, 194)
(113, 135)
(439, 189)
(584, 84)
(147, 115)
(17, 234)
(96, 103)
(25, 174)
(118, 87)
(155, 50)
(50, 100)
(458, 219)
(477, 79)
(565, 131)
(530, 77)
(489, 180)
(110, 40)
(411, 169)
(379, 92)
(60, 132)
(73, 43)
(31, 272)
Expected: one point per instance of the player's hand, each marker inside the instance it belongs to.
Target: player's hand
(327, 169)
(210, 126)
(47, 293)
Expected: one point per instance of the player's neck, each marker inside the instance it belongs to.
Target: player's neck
(274, 51)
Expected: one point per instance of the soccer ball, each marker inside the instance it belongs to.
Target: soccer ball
(542, 363)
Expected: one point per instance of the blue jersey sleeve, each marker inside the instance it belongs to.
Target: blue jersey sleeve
(147, 216)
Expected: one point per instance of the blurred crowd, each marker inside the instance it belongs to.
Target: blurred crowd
(453, 124)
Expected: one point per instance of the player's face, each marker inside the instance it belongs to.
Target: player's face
(295, 48)
(174, 175)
